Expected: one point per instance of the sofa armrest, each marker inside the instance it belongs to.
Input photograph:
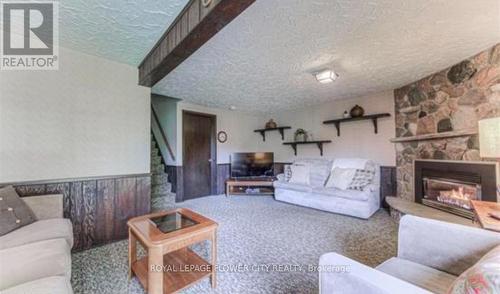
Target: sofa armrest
(46, 206)
(358, 278)
(444, 246)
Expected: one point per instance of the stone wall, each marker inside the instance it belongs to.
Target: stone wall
(454, 99)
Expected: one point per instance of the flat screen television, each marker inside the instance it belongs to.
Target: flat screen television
(252, 164)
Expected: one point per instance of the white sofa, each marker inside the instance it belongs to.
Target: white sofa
(431, 255)
(36, 258)
(356, 203)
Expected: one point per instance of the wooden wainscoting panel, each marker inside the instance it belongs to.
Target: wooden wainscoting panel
(89, 191)
(124, 205)
(388, 185)
(172, 176)
(76, 213)
(98, 208)
(223, 174)
(105, 207)
(142, 200)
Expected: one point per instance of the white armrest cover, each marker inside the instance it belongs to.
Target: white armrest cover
(46, 206)
(443, 246)
(281, 177)
(359, 278)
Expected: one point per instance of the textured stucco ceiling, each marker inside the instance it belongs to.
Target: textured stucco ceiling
(119, 30)
(263, 60)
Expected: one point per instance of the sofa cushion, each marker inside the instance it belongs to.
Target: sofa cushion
(34, 261)
(14, 213)
(50, 285)
(347, 194)
(483, 277)
(39, 231)
(300, 174)
(423, 276)
(292, 186)
(319, 170)
(340, 178)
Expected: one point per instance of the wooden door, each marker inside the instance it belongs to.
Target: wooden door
(199, 154)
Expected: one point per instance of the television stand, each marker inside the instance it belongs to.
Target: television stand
(256, 186)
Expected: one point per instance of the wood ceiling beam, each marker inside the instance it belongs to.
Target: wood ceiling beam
(196, 24)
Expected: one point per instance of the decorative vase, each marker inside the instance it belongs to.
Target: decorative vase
(271, 124)
(300, 135)
(346, 114)
(357, 111)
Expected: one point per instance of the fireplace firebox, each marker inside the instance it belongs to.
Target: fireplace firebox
(451, 185)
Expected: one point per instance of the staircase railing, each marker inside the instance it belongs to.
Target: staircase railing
(162, 132)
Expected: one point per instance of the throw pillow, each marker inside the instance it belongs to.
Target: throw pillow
(300, 174)
(288, 172)
(340, 178)
(483, 277)
(361, 179)
(14, 213)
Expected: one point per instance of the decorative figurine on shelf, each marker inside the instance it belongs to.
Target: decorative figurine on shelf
(346, 114)
(357, 111)
(300, 135)
(271, 124)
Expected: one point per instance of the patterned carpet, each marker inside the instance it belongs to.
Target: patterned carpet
(254, 231)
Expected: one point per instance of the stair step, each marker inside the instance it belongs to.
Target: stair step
(158, 168)
(159, 179)
(155, 160)
(161, 189)
(163, 195)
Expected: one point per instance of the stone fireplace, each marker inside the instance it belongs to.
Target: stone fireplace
(450, 185)
(437, 119)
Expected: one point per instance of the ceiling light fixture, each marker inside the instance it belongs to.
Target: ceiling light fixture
(326, 76)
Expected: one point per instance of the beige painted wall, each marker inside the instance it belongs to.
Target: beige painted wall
(89, 118)
(357, 139)
(238, 126)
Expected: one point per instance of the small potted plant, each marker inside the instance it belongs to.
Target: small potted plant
(300, 135)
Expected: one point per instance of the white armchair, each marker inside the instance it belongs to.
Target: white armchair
(431, 254)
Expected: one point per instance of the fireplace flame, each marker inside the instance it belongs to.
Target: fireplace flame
(456, 197)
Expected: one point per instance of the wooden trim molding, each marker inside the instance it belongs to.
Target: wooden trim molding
(98, 208)
(196, 24)
(52, 181)
(435, 136)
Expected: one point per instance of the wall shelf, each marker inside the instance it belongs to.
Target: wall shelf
(318, 143)
(372, 117)
(280, 129)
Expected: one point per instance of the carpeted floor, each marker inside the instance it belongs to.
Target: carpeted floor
(254, 231)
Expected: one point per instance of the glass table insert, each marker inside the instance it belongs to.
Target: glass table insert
(172, 222)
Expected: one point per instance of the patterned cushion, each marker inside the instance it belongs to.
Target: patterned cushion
(483, 277)
(361, 179)
(14, 213)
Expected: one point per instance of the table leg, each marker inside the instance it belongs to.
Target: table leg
(132, 252)
(155, 271)
(213, 279)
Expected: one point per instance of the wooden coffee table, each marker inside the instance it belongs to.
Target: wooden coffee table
(170, 265)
